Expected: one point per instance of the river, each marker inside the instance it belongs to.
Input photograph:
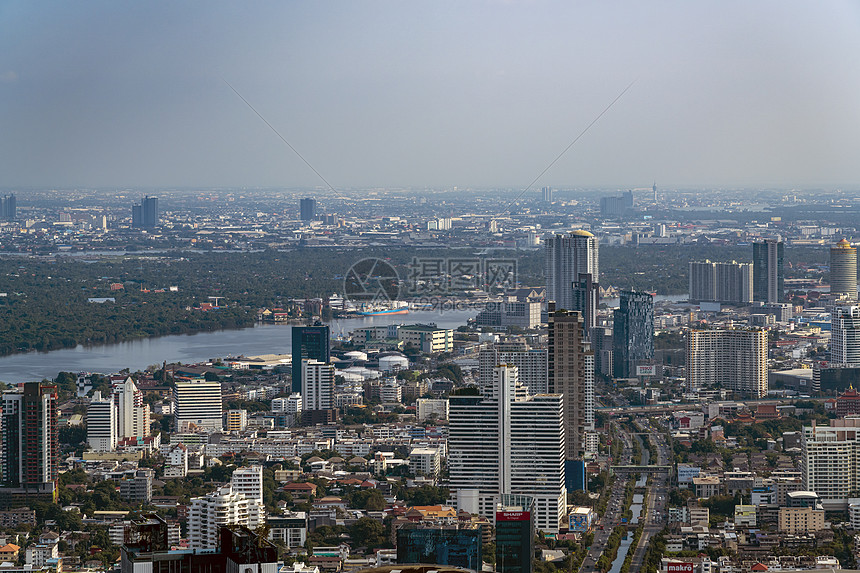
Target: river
(192, 348)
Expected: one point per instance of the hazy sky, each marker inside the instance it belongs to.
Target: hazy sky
(104, 94)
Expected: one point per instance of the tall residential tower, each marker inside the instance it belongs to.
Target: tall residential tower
(843, 269)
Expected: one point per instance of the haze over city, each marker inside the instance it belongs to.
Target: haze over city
(437, 94)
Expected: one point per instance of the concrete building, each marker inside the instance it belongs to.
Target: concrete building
(237, 420)
(735, 359)
(137, 488)
(728, 283)
(843, 269)
(519, 314)
(30, 438)
(768, 271)
(249, 482)
(311, 342)
(101, 424)
(289, 529)
(425, 461)
(317, 385)
(829, 467)
(501, 444)
(571, 374)
(207, 514)
(571, 261)
(428, 406)
(198, 405)
(800, 520)
(845, 335)
(532, 364)
(428, 338)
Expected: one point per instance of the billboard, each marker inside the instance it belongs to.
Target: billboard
(513, 516)
(649, 370)
(678, 567)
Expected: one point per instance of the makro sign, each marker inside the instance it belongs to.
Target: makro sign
(513, 516)
(680, 568)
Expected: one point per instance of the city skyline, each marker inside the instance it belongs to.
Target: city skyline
(483, 95)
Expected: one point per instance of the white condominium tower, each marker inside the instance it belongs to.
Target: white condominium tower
(829, 463)
(845, 335)
(198, 405)
(317, 385)
(736, 359)
(222, 507)
(132, 415)
(501, 444)
(101, 424)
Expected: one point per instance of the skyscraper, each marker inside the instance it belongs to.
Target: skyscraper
(768, 273)
(571, 374)
(308, 209)
(506, 443)
(9, 207)
(633, 333)
(101, 424)
(734, 359)
(30, 453)
(569, 261)
(198, 404)
(843, 269)
(845, 335)
(308, 342)
(317, 385)
(730, 283)
(546, 194)
(145, 215)
(531, 364)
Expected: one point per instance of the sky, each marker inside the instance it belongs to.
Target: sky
(429, 93)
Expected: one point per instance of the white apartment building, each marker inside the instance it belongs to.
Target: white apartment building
(198, 405)
(845, 335)
(829, 466)
(317, 385)
(101, 424)
(428, 406)
(503, 443)
(132, 415)
(427, 338)
(531, 364)
(249, 482)
(425, 461)
(290, 405)
(736, 359)
(208, 513)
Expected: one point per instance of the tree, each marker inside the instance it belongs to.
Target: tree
(370, 499)
(367, 532)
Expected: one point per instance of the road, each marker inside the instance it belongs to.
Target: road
(656, 499)
(613, 512)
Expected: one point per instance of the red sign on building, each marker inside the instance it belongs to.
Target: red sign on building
(513, 516)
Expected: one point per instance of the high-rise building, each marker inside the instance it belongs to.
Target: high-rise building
(845, 335)
(633, 333)
(308, 209)
(531, 364)
(568, 261)
(546, 194)
(515, 534)
(9, 207)
(735, 359)
(843, 269)
(317, 385)
(828, 463)
(249, 482)
(198, 405)
(449, 545)
(132, 415)
(768, 272)
(505, 442)
(101, 424)
(308, 342)
(223, 507)
(145, 215)
(571, 374)
(729, 283)
(616, 206)
(137, 488)
(30, 438)
(237, 420)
